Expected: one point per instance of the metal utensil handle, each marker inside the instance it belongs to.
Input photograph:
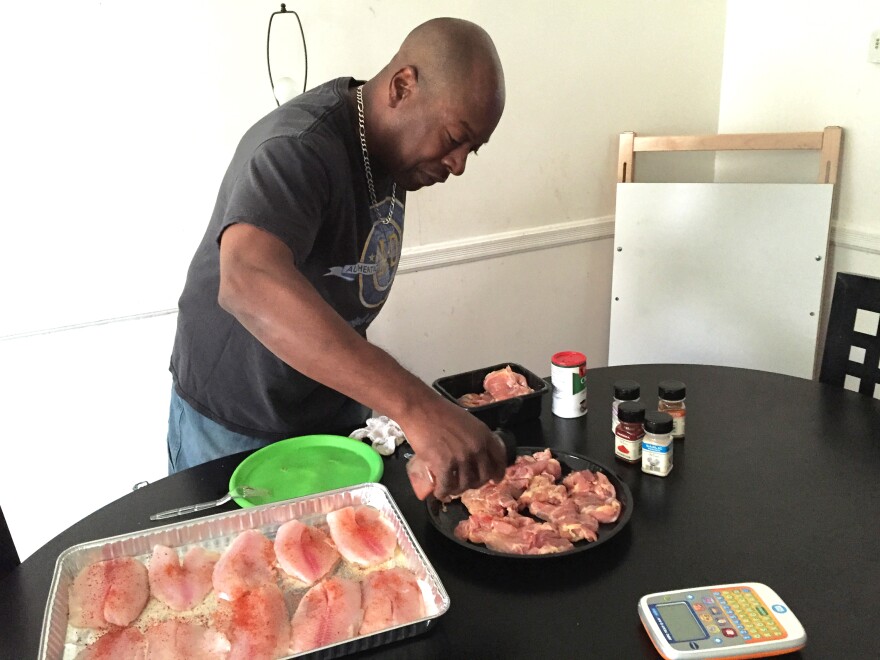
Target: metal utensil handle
(192, 508)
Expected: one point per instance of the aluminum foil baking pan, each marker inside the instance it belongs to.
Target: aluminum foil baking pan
(216, 532)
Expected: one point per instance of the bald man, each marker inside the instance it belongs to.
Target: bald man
(301, 252)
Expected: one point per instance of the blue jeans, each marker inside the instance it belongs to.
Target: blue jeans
(194, 438)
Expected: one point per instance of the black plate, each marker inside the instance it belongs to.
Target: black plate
(446, 517)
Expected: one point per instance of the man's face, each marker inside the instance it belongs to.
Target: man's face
(436, 135)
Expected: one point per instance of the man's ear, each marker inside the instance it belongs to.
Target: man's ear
(403, 84)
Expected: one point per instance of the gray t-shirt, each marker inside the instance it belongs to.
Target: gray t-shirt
(297, 173)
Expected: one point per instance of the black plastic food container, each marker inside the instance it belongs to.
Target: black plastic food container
(501, 413)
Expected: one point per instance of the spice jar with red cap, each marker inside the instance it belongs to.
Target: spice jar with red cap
(568, 375)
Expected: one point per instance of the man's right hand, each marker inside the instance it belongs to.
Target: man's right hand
(459, 450)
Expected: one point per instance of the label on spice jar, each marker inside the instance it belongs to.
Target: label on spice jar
(677, 422)
(568, 371)
(656, 459)
(628, 450)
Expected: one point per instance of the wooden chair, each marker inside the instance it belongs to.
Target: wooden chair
(8, 554)
(852, 342)
(826, 142)
(669, 258)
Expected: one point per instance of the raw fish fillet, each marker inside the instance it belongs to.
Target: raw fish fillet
(248, 563)
(362, 535)
(175, 639)
(256, 624)
(181, 585)
(121, 643)
(113, 591)
(330, 612)
(304, 552)
(390, 598)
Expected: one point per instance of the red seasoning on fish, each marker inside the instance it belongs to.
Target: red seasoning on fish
(110, 592)
(330, 612)
(125, 643)
(256, 624)
(362, 535)
(391, 598)
(175, 639)
(248, 563)
(304, 552)
(181, 584)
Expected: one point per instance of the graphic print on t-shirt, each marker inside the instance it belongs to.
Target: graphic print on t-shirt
(379, 258)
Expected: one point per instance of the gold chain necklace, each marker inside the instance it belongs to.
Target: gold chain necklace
(370, 186)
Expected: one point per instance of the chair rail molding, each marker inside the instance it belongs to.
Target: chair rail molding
(476, 248)
(856, 238)
(433, 255)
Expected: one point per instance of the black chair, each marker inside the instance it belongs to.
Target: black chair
(8, 555)
(852, 342)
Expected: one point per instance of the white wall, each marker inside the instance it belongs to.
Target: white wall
(85, 414)
(578, 74)
(800, 67)
(123, 117)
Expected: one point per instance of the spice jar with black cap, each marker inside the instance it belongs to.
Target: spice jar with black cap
(629, 432)
(657, 444)
(672, 396)
(624, 390)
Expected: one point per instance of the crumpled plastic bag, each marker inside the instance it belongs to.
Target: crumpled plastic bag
(384, 434)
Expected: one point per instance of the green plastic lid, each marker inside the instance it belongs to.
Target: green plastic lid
(306, 465)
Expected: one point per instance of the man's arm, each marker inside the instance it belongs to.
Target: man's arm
(263, 289)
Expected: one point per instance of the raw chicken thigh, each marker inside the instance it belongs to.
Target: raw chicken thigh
(497, 385)
(506, 384)
(562, 512)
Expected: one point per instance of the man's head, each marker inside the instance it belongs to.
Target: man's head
(438, 100)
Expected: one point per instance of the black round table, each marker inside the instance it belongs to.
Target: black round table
(777, 481)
